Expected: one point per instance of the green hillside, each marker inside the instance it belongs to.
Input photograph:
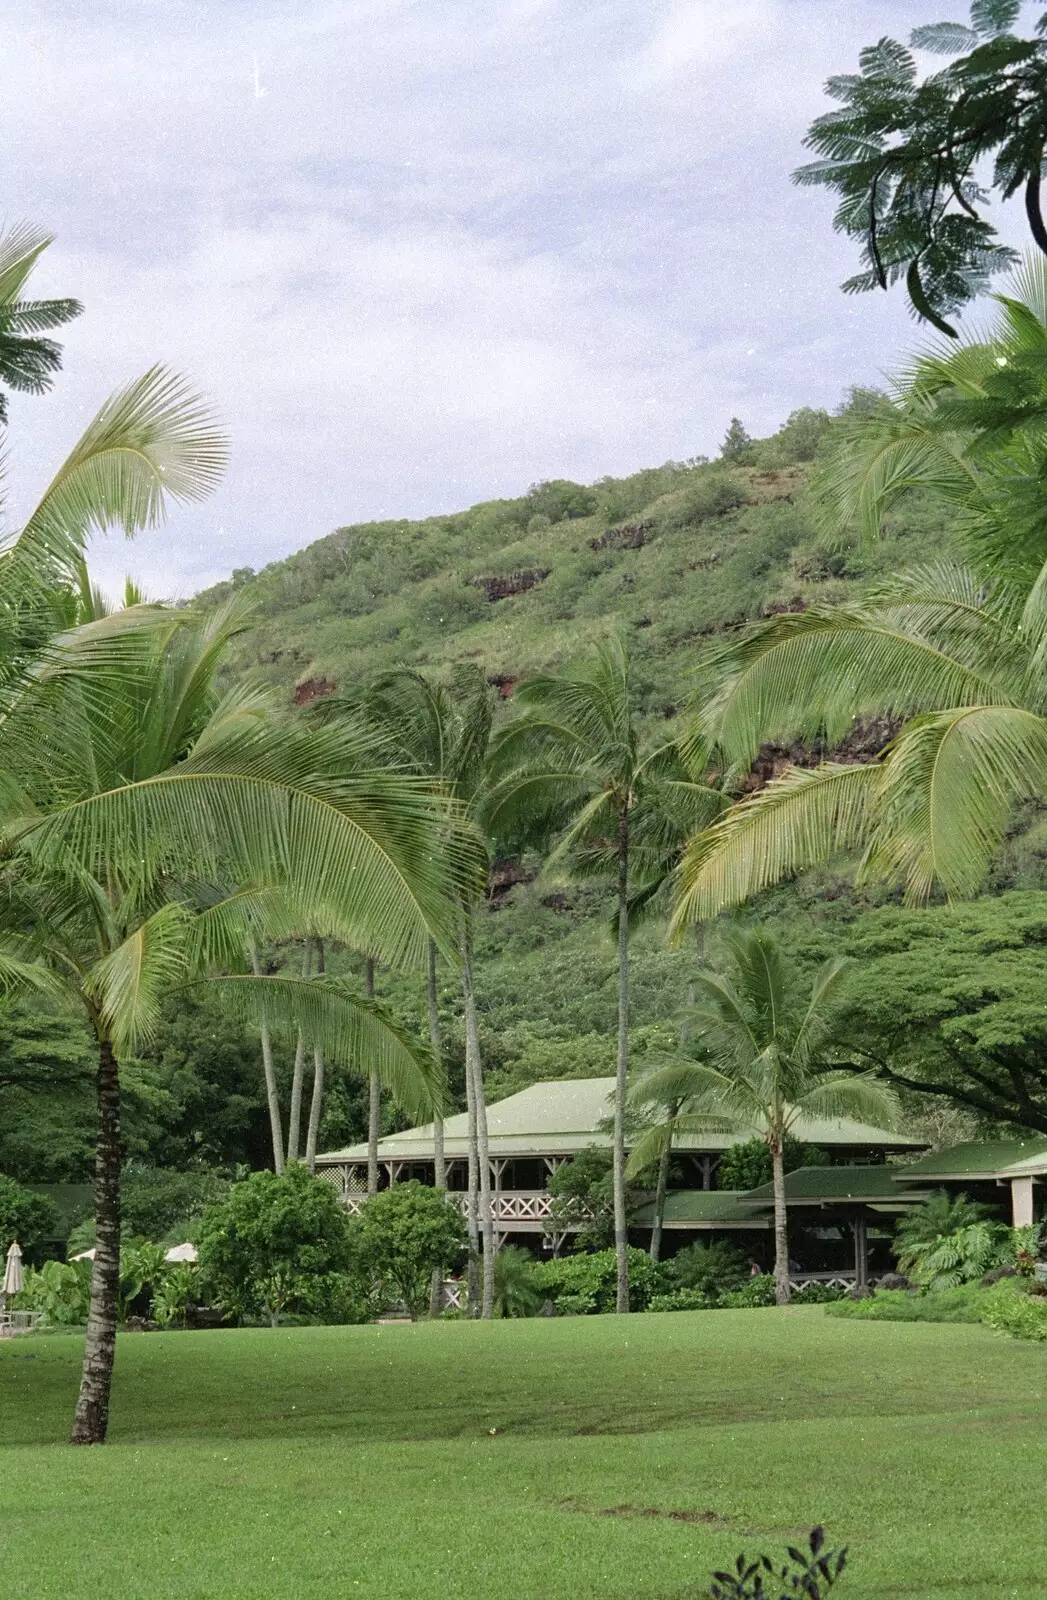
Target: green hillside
(672, 555)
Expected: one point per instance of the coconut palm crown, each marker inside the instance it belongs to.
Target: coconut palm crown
(760, 1031)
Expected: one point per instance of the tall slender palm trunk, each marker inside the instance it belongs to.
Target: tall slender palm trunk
(472, 1206)
(661, 1189)
(317, 1101)
(294, 1119)
(474, 1065)
(781, 1226)
(621, 1234)
(374, 1099)
(268, 1067)
(92, 1407)
(436, 1292)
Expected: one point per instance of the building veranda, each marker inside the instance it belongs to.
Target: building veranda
(841, 1216)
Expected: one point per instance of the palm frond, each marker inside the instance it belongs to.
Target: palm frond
(798, 821)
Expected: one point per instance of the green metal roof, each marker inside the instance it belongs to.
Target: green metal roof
(975, 1159)
(561, 1117)
(713, 1207)
(817, 1185)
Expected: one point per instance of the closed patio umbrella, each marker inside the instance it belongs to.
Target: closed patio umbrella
(13, 1280)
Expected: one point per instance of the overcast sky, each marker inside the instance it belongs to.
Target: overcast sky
(425, 252)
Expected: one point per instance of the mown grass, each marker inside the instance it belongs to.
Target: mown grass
(585, 1457)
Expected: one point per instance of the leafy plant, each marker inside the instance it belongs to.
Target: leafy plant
(759, 1290)
(747, 1164)
(516, 1288)
(708, 1268)
(276, 1243)
(811, 1572)
(586, 1284)
(177, 1290)
(682, 1300)
(61, 1291)
(402, 1236)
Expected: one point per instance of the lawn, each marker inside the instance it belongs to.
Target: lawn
(571, 1458)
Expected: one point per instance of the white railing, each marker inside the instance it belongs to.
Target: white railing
(835, 1280)
(507, 1205)
(512, 1205)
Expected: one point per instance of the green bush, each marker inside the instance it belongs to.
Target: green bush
(60, 1291)
(966, 1302)
(709, 1269)
(516, 1290)
(818, 1294)
(402, 1236)
(157, 1203)
(24, 1216)
(759, 1291)
(682, 1300)
(277, 1243)
(1023, 1316)
(587, 1284)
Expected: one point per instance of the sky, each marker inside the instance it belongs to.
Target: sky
(421, 253)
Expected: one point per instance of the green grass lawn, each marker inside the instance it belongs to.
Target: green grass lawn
(572, 1458)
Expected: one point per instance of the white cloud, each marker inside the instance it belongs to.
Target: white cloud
(456, 246)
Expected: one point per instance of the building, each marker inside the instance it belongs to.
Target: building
(531, 1133)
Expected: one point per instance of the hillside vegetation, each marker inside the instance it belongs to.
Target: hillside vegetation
(671, 555)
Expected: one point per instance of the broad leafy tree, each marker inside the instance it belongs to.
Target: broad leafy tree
(761, 1030)
(575, 760)
(915, 160)
(402, 1237)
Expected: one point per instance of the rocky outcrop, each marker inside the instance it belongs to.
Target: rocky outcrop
(510, 583)
(869, 737)
(630, 536)
(311, 689)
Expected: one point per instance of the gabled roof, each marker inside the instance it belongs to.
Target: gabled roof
(866, 1185)
(714, 1207)
(561, 1117)
(974, 1160)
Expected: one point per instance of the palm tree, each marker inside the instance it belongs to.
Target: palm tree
(133, 795)
(443, 732)
(956, 652)
(760, 1032)
(27, 362)
(575, 760)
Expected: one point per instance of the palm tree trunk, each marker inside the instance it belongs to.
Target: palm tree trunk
(781, 1230)
(621, 1235)
(474, 1065)
(374, 1099)
(659, 1201)
(92, 1407)
(271, 1095)
(317, 1101)
(294, 1120)
(436, 1292)
(472, 1206)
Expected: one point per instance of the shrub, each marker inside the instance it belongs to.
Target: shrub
(587, 1284)
(682, 1300)
(24, 1216)
(60, 1291)
(708, 1268)
(1023, 1316)
(177, 1290)
(402, 1236)
(277, 1243)
(961, 1303)
(516, 1291)
(819, 1294)
(759, 1291)
(157, 1203)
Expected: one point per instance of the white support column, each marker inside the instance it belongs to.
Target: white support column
(1021, 1202)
